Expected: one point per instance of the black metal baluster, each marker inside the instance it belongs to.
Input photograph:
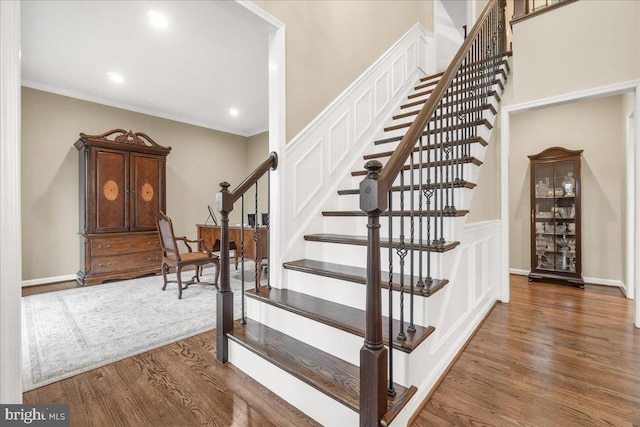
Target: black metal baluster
(420, 283)
(429, 191)
(401, 250)
(256, 237)
(244, 319)
(268, 224)
(391, 390)
(411, 327)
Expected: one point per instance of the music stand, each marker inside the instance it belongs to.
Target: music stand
(212, 215)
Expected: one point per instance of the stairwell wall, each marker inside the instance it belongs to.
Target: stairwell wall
(330, 43)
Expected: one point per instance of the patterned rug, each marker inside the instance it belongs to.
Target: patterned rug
(69, 332)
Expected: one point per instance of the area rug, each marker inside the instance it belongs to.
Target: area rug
(69, 332)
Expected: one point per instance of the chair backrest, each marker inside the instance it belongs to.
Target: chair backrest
(165, 230)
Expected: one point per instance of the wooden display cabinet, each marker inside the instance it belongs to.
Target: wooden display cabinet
(555, 216)
(122, 188)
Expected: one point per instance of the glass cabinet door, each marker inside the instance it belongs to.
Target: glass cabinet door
(555, 215)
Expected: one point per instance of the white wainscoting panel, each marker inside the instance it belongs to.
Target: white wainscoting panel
(323, 154)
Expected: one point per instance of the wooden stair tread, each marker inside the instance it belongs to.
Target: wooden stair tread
(336, 378)
(432, 82)
(474, 123)
(406, 213)
(416, 166)
(345, 239)
(422, 101)
(339, 316)
(456, 84)
(457, 184)
(359, 275)
(489, 107)
(472, 140)
(502, 61)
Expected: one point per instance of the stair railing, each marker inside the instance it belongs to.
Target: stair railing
(225, 201)
(441, 136)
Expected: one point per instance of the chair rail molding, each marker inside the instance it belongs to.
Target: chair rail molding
(320, 157)
(10, 238)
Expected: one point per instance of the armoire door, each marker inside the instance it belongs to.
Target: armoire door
(147, 191)
(111, 198)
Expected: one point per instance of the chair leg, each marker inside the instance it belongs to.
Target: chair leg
(164, 267)
(179, 279)
(235, 257)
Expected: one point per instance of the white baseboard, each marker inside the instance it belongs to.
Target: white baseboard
(590, 280)
(48, 280)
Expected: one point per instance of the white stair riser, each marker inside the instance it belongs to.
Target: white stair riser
(357, 256)
(358, 225)
(309, 400)
(461, 200)
(353, 294)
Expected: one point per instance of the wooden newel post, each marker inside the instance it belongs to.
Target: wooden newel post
(373, 354)
(224, 299)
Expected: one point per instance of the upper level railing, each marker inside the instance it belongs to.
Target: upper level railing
(523, 9)
(440, 136)
(225, 201)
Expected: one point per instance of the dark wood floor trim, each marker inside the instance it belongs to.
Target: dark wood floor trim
(420, 407)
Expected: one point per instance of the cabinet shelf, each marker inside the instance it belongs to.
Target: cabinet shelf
(556, 171)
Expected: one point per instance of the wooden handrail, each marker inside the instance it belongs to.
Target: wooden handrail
(270, 163)
(410, 139)
(224, 300)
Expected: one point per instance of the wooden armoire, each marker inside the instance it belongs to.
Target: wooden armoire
(122, 188)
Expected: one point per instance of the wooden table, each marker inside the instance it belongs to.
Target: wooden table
(209, 233)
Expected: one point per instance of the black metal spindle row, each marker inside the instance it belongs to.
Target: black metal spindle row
(443, 149)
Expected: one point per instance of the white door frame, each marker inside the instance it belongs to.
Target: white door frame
(633, 208)
(10, 232)
(10, 222)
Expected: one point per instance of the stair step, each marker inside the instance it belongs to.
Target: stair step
(405, 213)
(457, 184)
(336, 378)
(384, 243)
(502, 61)
(472, 140)
(422, 101)
(437, 117)
(416, 166)
(431, 82)
(472, 124)
(456, 85)
(336, 315)
(359, 275)
(468, 111)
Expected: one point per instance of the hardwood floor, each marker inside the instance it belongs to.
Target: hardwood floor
(177, 385)
(553, 356)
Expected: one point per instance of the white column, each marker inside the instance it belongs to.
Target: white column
(10, 234)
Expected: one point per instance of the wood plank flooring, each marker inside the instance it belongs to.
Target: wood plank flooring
(554, 356)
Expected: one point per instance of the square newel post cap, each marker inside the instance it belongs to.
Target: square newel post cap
(224, 199)
(373, 198)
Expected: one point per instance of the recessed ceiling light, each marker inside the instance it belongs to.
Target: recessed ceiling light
(115, 77)
(233, 112)
(157, 19)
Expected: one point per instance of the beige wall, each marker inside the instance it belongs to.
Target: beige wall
(257, 152)
(579, 46)
(598, 128)
(199, 160)
(330, 43)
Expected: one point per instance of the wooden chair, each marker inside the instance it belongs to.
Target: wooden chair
(172, 258)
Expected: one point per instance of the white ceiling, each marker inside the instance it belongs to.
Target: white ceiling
(212, 56)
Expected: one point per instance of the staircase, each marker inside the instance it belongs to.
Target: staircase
(305, 342)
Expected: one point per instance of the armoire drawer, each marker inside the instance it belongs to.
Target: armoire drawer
(124, 243)
(126, 262)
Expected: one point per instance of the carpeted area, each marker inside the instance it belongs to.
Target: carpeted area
(68, 332)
